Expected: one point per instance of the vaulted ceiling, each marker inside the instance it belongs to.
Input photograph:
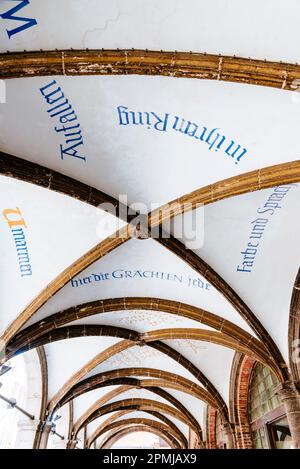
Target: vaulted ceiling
(189, 108)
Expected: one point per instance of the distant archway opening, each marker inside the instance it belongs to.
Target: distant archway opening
(137, 439)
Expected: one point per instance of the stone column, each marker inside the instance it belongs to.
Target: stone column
(61, 426)
(192, 440)
(229, 436)
(201, 445)
(71, 444)
(290, 397)
(46, 429)
(26, 433)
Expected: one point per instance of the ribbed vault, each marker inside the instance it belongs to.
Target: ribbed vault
(150, 424)
(136, 328)
(114, 436)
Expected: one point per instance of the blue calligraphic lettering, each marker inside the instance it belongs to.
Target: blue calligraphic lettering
(123, 274)
(166, 122)
(65, 114)
(10, 15)
(259, 225)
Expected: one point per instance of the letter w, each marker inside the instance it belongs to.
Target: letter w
(9, 15)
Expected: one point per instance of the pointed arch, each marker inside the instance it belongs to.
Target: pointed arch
(190, 419)
(132, 421)
(115, 435)
(124, 376)
(219, 338)
(255, 180)
(113, 305)
(140, 404)
(145, 62)
(155, 414)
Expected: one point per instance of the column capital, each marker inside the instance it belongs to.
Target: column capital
(45, 426)
(287, 390)
(228, 429)
(71, 444)
(290, 396)
(228, 426)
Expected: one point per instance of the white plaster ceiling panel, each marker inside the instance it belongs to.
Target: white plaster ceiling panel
(142, 357)
(32, 220)
(194, 405)
(191, 403)
(140, 414)
(213, 360)
(103, 398)
(66, 357)
(141, 268)
(269, 221)
(152, 162)
(86, 400)
(97, 422)
(141, 394)
(171, 25)
(140, 321)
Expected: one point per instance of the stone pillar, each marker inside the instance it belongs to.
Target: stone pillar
(229, 436)
(211, 428)
(193, 440)
(46, 429)
(26, 433)
(290, 397)
(71, 444)
(27, 428)
(201, 445)
(85, 438)
(60, 425)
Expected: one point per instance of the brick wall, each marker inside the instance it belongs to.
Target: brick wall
(243, 432)
(211, 431)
